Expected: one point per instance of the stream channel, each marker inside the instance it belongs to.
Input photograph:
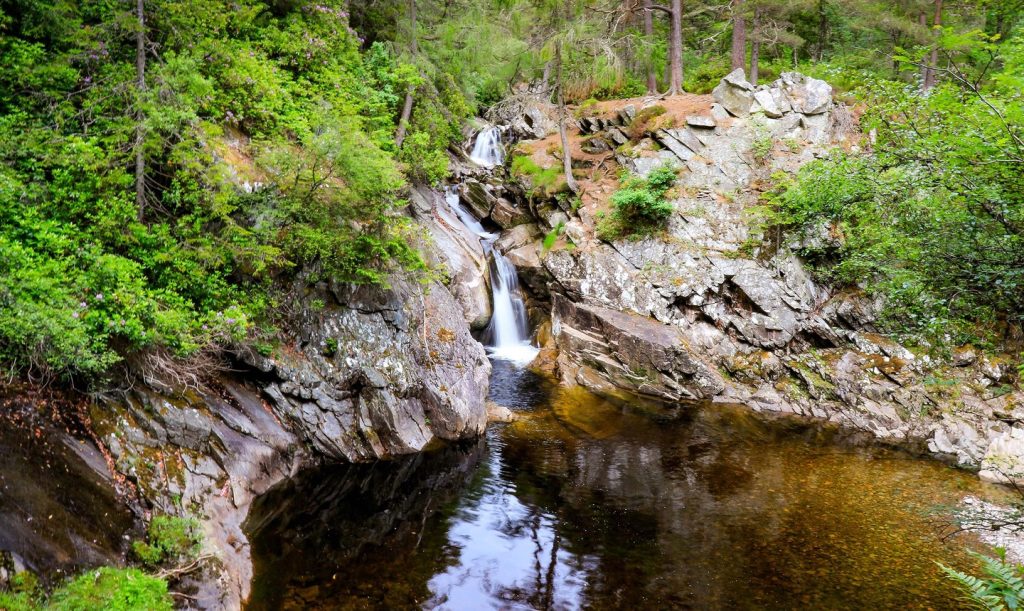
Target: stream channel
(589, 502)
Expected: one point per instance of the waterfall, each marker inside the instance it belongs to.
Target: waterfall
(508, 333)
(487, 151)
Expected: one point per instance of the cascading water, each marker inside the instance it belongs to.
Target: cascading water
(487, 151)
(508, 333)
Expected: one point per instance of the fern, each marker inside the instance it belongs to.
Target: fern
(1001, 589)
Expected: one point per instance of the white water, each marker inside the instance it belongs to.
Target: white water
(487, 151)
(508, 333)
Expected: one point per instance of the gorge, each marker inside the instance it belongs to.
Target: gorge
(405, 304)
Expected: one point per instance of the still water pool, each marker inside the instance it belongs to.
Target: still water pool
(600, 504)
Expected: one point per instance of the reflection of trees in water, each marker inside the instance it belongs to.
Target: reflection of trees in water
(359, 536)
(601, 509)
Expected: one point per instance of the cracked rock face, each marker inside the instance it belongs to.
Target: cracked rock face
(373, 374)
(696, 313)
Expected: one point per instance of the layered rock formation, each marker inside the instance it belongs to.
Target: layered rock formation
(711, 309)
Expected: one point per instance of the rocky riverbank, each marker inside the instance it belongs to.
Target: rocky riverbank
(712, 309)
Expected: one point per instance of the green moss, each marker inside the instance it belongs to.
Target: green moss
(112, 589)
(169, 539)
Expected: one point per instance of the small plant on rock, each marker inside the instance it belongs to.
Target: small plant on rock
(640, 206)
(169, 539)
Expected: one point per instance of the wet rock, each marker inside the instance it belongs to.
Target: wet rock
(518, 236)
(500, 413)
(735, 94)
(477, 197)
(507, 214)
(457, 250)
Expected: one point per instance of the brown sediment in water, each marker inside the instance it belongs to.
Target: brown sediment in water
(604, 503)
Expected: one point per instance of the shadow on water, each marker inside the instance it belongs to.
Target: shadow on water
(609, 504)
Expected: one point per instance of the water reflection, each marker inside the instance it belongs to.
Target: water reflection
(589, 503)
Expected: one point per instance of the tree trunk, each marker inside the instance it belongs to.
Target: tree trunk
(563, 133)
(403, 120)
(822, 31)
(922, 20)
(140, 84)
(755, 46)
(675, 50)
(652, 78)
(933, 62)
(739, 35)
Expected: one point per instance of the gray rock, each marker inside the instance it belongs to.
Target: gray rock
(807, 95)
(734, 93)
(477, 197)
(687, 138)
(678, 149)
(595, 145)
(700, 121)
(719, 113)
(616, 136)
(768, 104)
(507, 214)
(631, 352)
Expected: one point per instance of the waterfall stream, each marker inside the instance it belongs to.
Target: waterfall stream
(508, 332)
(487, 151)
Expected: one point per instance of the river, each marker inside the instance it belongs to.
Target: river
(592, 503)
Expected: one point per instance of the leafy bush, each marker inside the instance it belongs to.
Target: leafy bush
(934, 220)
(279, 94)
(169, 539)
(640, 206)
(540, 179)
(107, 588)
(113, 590)
(1001, 589)
(706, 75)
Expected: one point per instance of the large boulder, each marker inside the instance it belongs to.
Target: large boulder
(807, 95)
(478, 197)
(630, 352)
(371, 373)
(772, 102)
(735, 93)
(508, 214)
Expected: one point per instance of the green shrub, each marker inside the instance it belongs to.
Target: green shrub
(552, 236)
(169, 539)
(540, 179)
(640, 206)
(1001, 588)
(112, 589)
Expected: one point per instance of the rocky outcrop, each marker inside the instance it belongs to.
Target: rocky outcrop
(711, 310)
(734, 93)
(633, 352)
(792, 92)
(456, 250)
(372, 373)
